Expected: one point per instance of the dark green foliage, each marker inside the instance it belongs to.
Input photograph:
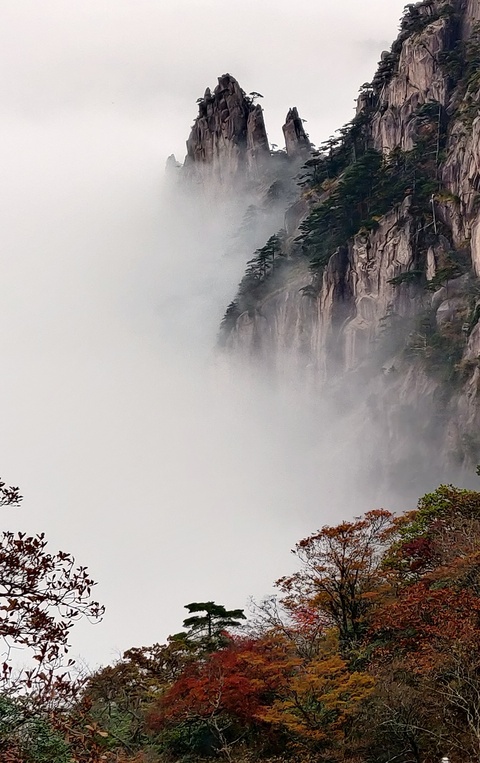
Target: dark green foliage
(454, 264)
(266, 262)
(462, 65)
(229, 320)
(440, 351)
(472, 56)
(191, 740)
(44, 745)
(470, 83)
(443, 504)
(315, 171)
(373, 185)
(336, 153)
(262, 263)
(339, 151)
(358, 186)
(386, 69)
(362, 194)
(416, 18)
(347, 208)
(443, 275)
(409, 276)
(438, 347)
(29, 735)
(210, 621)
(259, 269)
(453, 62)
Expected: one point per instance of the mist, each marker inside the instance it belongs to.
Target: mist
(133, 448)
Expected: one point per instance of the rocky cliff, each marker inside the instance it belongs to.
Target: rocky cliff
(228, 143)
(297, 143)
(371, 289)
(228, 148)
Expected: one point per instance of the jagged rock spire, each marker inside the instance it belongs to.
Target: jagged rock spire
(296, 139)
(172, 167)
(228, 139)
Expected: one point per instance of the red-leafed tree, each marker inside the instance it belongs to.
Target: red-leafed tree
(424, 623)
(41, 596)
(438, 540)
(339, 572)
(424, 634)
(222, 698)
(432, 567)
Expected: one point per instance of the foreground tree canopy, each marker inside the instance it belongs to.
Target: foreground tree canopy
(41, 596)
(370, 651)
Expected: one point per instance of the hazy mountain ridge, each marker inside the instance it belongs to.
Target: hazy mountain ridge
(352, 344)
(373, 285)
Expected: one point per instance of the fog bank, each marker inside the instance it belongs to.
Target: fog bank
(131, 450)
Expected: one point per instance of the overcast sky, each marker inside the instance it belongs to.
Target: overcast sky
(170, 488)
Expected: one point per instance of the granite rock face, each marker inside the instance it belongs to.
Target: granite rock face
(332, 332)
(228, 145)
(470, 17)
(361, 323)
(419, 79)
(389, 324)
(296, 140)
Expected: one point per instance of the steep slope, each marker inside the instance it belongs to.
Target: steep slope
(375, 291)
(228, 141)
(229, 164)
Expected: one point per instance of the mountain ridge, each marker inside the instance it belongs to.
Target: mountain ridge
(375, 279)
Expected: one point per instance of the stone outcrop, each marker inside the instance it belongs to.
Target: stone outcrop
(389, 322)
(359, 325)
(228, 145)
(419, 78)
(333, 331)
(470, 17)
(297, 143)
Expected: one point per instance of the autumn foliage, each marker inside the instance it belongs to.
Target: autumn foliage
(370, 651)
(42, 594)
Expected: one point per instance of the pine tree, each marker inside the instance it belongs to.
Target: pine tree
(209, 625)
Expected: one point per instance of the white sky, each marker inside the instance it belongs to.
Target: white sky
(165, 488)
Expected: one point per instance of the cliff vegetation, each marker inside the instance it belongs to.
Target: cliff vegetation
(379, 254)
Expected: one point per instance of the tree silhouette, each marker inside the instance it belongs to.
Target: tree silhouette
(211, 621)
(41, 596)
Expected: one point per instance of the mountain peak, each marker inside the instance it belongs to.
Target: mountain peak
(228, 140)
(296, 139)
